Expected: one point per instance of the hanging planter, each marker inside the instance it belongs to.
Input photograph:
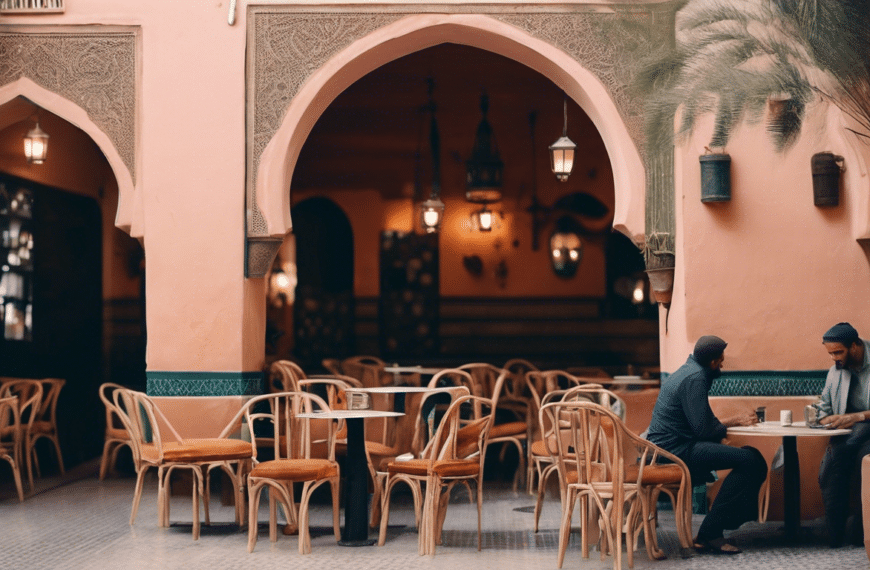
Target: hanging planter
(660, 270)
(715, 177)
(827, 167)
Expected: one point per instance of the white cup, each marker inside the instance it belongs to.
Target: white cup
(785, 417)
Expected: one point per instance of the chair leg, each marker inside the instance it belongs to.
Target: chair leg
(108, 449)
(196, 493)
(254, 490)
(565, 526)
(335, 485)
(16, 473)
(137, 494)
(205, 471)
(56, 443)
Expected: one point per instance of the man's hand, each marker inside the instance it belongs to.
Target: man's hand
(844, 421)
(742, 419)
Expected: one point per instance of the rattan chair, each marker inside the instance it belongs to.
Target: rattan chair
(293, 463)
(455, 455)
(29, 393)
(140, 416)
(11, 439)
(44, 425)
(116, 435)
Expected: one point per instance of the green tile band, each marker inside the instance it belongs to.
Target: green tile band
(171, 383)
(768, 383)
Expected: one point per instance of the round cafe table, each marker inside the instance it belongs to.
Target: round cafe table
(791, 463)
(356, 489)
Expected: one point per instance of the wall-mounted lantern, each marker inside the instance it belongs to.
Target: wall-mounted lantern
(566, 247)
(715, 177)
(827, 167)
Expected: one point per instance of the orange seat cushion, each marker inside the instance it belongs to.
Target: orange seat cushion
(296, 469)
(199, 450)
(655, 474)
(444, 468)
(508, 429)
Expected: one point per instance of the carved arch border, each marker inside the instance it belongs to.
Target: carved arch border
(300, 58)
(88, 76)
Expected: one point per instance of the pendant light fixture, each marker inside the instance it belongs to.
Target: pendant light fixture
(562, 151)
(432, 210)
(484, 168)
(36, 145)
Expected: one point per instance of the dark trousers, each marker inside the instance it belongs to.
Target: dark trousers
(840, 467)
(737, 500)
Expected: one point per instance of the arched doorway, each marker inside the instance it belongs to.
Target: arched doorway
(323, 311)
(84, 287)
(499, 297)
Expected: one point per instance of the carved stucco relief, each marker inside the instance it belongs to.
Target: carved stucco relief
(289, 44)
(95, 70)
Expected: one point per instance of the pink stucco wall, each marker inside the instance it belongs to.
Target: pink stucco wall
(769, 271)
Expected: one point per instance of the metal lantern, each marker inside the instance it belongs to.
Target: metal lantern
(562, 151)
(431, 214)
(483, 219)
(36, 145)
(484, 168)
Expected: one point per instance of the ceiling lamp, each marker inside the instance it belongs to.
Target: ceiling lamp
(562, 151)
(484, 168)
(432, 210)
(36, 145)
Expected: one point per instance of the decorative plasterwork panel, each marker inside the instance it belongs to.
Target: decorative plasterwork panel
(289, 43)
(94, 69)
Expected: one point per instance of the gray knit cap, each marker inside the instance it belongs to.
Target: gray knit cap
(844, 333)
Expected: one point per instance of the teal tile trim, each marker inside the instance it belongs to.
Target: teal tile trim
(768, 383)
(172, 383)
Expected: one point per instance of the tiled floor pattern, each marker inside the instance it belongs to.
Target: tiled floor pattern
(84, 524)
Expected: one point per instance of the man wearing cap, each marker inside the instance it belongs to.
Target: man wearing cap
(845, 402)
(684, 424)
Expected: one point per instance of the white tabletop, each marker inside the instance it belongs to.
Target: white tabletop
(798, 429)
(349, 414)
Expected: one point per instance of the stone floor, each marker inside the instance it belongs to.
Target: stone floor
(79, 522)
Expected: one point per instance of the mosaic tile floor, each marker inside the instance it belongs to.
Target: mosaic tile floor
(82, 523)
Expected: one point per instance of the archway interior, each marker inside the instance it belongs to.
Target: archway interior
(369, 152)
(88, 302)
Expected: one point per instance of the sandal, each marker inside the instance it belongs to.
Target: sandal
(716, 546)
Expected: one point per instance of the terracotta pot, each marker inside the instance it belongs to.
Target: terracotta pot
(661, 282)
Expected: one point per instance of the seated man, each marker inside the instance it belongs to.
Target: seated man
(844, 404)
(684, 424)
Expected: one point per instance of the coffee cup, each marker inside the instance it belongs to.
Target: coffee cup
(760, 413)
(785, 417)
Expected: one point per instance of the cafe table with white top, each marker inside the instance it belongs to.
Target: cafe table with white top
(356, 506)
(791, 463)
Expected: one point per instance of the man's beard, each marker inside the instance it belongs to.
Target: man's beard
(839, 364)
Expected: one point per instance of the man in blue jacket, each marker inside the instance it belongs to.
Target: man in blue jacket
(684, 424)
(844, 403)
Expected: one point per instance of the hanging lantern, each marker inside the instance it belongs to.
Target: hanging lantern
(431, 214)
(484, 168)
(36, 145)
(562, 151)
